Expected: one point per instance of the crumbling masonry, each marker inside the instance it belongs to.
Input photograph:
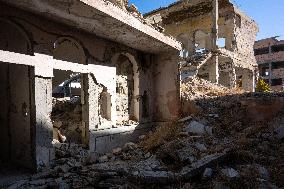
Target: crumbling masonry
(128, 72)
(217, 40)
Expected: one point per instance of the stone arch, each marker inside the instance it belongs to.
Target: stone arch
(127, 87)
(201, 40)
(67, 49)
(14, 38)
(184, 39)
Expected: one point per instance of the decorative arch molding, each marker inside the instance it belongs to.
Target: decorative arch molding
(132, 59)
(23, 33)
(69, 49)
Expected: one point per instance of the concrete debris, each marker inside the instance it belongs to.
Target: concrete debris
(230, 173)
(200, 147)
(198, 128)
(205, 131)
(280, 132)
(208, 173)
(243, 151)
(185, 119)
(67, 120)
(263, 172)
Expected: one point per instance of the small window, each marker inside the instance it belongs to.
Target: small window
(275, 82)
(221, 42)
(277, 48)
(261, 51)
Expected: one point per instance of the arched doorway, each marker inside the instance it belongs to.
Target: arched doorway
(127, 89)
(67, 90)
(16, 81)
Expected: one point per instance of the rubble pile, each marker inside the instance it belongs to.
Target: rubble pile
(197, 88)
(221, 146)
(67, 120)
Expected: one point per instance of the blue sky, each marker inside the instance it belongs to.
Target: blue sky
(269, 14)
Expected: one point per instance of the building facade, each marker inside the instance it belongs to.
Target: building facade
(217, 40)
(269, 54)
(128, 73)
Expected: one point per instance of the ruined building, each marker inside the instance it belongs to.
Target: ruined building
(269, 54)
(217, 40)
(127, 71)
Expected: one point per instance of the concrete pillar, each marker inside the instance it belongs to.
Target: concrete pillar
(270, 66)
(90, 111)
(215, 18)
(248, 80)
(43, 124)
(233, 77)
(214, 70)
(270, 73)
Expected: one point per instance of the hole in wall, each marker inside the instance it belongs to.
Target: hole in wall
(221, 42)
(105, 104)
(67, 107)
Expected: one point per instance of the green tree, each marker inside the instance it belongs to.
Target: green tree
(262, 86)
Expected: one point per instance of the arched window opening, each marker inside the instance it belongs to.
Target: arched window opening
(105, 104)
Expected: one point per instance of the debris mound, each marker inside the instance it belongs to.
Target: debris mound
(234, 140)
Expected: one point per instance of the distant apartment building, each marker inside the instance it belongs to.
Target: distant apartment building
(269, 54)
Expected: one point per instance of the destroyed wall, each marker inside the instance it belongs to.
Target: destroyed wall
(245, 36)
(192, 24)
(193, 21)
(98, 61)
(120, 3)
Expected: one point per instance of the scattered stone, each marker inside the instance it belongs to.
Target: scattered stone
(263, 172)
(197, 167)
(185, 119)
(280, 133)
(208, 173)
(230, 173)
(213, 115)
(198, 128)
(129, 146)
(103, 159)
(117, 151)
(148, 155)
(142, 137)
(200, 147)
